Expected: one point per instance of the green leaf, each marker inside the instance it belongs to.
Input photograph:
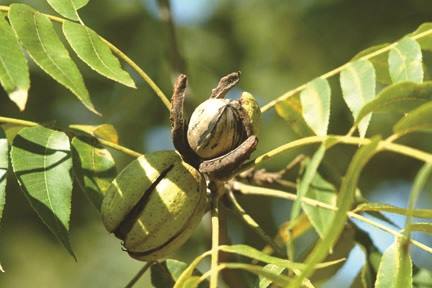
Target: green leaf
(91, 49)
(39, 38)
(4, 164)
(95, 168)
(358, 88)
(419, 213)
(14, 72)
(405, 61)
(417, 120)
(325, 192)
(400, 97)
(68, 8)
(276, 278)
(315, 101)
(104, 131)
(165, 274)
(420, 182)
(395, 268)
(421, 227)
(426, 41)
(305, 182)
(344, 202)
(379, 61)
(41, 161)
(364, 277)
(263, 282)
(291, 111)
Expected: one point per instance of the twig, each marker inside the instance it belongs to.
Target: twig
(140, 273)
(120, 54)
(215, 242)
(177, 60)
(238, 209)
(107, 143)
(253, 190)
(337, 71)
(350, 140)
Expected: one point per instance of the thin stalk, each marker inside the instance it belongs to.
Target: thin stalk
(338, 70)
(260, 191)
(120, 54)
(350, 140)
(215, 242)
(239, 210)
(115, 146)
(140, 273)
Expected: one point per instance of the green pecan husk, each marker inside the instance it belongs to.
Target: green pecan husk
(155, 204)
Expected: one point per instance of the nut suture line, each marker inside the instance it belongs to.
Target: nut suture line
(157, 213)
(220, 134)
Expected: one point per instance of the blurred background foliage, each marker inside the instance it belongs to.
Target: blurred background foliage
(277, 45)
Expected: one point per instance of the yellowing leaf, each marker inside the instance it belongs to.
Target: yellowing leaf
(14, 73)
(405, 61)
(315, 101)
(358, 88)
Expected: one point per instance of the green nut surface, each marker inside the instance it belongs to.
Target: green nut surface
(155, 204)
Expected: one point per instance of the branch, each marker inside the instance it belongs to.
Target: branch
(350, 140)
(120, 54)
(254, 190)
(141, 272)
(338, 70)
(115, 146)
(177, 60)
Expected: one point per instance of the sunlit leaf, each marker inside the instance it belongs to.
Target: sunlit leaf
(315, 101)
(417, 120)
(263, 282)
(291, 111)
(276, 278)
(400, 97)
(395, 269)
(95, 167)
(68, 8)
(405, 61)
(325, 192)
(41, 161)
(420, 182)
(39, 38)
(419, 213)
(94, 52)
(306, 180)
(104, 131)
(358, 88)
(4, 164)
(344, 202)
(364, 277)
(379, 62)
(426, 41)
(14, 72)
